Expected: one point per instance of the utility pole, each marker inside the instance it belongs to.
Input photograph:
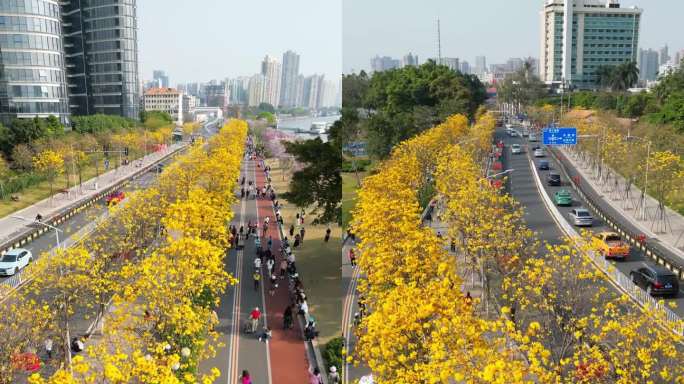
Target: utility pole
(439, 43)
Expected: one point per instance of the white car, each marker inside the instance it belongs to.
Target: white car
(539, 152)
(508, 126)
(533, 137)
(516, 149)
(14, 260)
(581, 217)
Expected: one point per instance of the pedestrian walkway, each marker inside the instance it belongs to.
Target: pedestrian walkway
(670, 231)
(11, 227)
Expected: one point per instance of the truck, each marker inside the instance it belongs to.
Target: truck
(610, 245)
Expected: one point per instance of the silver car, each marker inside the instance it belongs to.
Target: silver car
(516, 149)
(539, 152)
(581, 217)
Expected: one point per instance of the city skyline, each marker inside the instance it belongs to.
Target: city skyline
(414, 29)
(229, 42)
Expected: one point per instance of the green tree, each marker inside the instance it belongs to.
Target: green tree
(265, 107)
(604, 76)
(354, 88)
(319, 183)
(624, 76)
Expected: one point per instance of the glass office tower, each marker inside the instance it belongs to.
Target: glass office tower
(101, 49)
(32, 77)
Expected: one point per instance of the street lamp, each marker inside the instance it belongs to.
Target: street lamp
(57, 230)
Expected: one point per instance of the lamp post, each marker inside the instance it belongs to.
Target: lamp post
(57, 230)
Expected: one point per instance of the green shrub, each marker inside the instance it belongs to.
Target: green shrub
(361, 165)
(332, 354)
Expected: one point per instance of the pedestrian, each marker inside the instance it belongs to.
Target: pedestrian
(287, 317)
(242, 192)
(291, 230)
(297, 217)
(302, 231)
(270, 241)
(296, 241)
(242, 230)
(304, 308)
(315, 376)
(244, 378)
(453, 245)
(269, 265)
(283, 268)
(468, 299)
(327, 235)
(257, 263)
(48, 347)
(274, 285)
(352, 257)
(265, 229)
(439, 234)
(77, 344)
(257, 277)
(242, 182)
(254, 318)
(333, 376)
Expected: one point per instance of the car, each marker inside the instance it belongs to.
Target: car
(656, 280)
(508, 126)
(15, 260)
(157, 168)
(581, 217)
(516, 149)
(553, 179)
(610, 245)
(539, 152)
(562, 197)
(525, 132)
(533, 138)
(514, 133)
(115, 198)
(544, 165)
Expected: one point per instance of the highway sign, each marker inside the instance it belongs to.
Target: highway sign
(559, 136)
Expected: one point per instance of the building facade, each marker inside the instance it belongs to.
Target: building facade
(272, 72)
(32, 68)
(166, 100)
(384, 63)
(101, 46)
(579, 36)
(451, 62)
(480, 64)
(256, 90)
(409, 60)
(288, 84)
(161, 78)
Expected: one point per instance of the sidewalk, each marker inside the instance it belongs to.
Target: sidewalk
(11, 227)
(612, 193)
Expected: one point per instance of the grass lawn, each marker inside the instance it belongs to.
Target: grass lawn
(319, 264)
(349, 190)
(40, 191)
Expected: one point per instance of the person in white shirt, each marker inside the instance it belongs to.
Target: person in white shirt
(257, 263)
(269, 265)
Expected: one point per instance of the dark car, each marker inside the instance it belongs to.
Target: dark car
(553, 179)
(544, 165)
(656, 280)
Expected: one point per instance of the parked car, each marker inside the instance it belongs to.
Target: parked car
(15, 260)
(539, 152)
(516, 149)
(656, 280)
(115, 198)
(610, 245)
(562, 197)
(533, 137)
(581, 217)
(553, 179)
(544, 165)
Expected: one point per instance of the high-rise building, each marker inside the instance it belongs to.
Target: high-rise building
(161, 78)
(480, 64)
(679, 56)
(271, 70)
(256, 90)
(313, 91)
(648, 64)
(299, 91)
(238, 89)
(101, 47)
(465, 67)
(409, 60)
(579, 36)
(384, 63)
(289, 78)
(514, 64)
(166, 100)
(451, 62)
(217, 95)
(32, 70)
(664, 55)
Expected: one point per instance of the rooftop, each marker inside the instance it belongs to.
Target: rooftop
(161, 91)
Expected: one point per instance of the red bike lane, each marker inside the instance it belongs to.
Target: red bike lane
(287, 351)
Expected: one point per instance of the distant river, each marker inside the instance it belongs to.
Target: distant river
(303, 123)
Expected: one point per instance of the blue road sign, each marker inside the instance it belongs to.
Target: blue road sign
(559, 136)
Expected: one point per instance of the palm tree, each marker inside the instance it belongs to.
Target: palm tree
(624, 76)
(604, 75)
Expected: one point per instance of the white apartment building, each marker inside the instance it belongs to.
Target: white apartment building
(579, 36)
(272, 72)
(167, 100)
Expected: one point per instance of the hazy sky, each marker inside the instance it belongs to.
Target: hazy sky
(498, 29)
(200, 40)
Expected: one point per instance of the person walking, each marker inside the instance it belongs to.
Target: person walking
(254, 318)
(269, 265)
(283, 268)
(274, 285)
(333, 376)
(242, 192)
(244, 378)
(296, 241)
(352, 257)
(315, 376)
(257, 277)
(48, 347)
(257, 263)
(270, 241)
(327, 235)
(287, 317)
(302, 231)
(291, 230)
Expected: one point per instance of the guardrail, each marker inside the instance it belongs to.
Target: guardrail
(15, 281)
(618, 279)
(650, 247)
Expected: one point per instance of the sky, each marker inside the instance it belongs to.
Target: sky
(497, 29)
(200, 40)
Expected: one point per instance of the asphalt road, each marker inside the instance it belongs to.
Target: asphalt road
(540, 220)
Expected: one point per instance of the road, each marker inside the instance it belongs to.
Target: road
(524, 189)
